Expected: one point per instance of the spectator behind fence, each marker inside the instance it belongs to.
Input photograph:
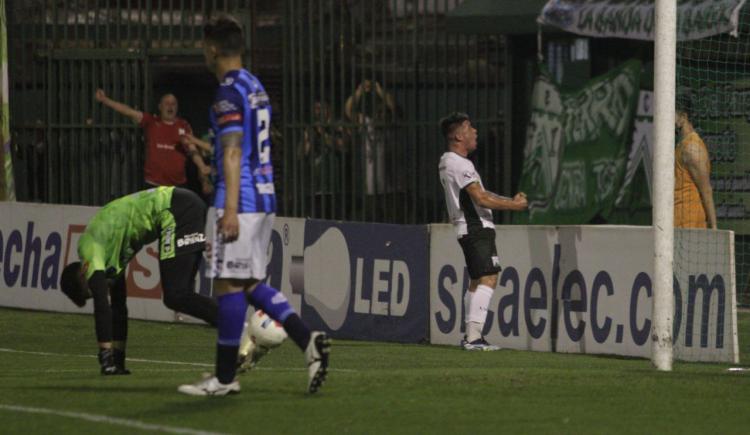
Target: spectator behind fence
(324, 143)
(693, 195)
(165, 154)
(371, 108)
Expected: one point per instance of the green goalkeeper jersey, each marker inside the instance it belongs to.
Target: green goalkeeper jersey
(120, 229)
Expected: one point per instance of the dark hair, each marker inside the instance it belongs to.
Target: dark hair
(449, 123)
(225, 32)
(71, 285)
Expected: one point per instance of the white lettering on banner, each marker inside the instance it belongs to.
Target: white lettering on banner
(604, 171)
(265, 188)
(571, 190)
(380, 267)
(391, 288)
(603, 105)
(634, 19)
(640, 149)
(400, 280)
(361, 305)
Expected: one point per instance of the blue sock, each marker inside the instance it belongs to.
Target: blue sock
(272, 301)
(230, 322)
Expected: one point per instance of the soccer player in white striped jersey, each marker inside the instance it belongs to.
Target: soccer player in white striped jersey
(470, 211)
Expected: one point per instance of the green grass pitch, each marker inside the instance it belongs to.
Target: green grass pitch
(49, 383)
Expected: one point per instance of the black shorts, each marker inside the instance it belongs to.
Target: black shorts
(183, 226)
(480, 253)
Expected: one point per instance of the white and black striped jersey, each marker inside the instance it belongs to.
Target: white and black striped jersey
(456, 173)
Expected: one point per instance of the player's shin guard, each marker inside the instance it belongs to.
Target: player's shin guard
(276, 305)
(232, 309)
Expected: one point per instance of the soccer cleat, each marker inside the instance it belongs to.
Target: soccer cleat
(112, 362)
(316, 356)
(479, 344)
(210, 386)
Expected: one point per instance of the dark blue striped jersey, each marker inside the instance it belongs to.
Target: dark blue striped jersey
(241, 104)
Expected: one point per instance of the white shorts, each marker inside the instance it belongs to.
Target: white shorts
(246, 257)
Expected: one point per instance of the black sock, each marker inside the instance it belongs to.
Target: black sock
(297, 330)
(226, 363)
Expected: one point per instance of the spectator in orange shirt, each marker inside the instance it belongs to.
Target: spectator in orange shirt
(693, 195)
(166, 149)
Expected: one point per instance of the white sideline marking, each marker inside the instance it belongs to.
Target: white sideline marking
(109, 420)
(89, 370)
(154, 361)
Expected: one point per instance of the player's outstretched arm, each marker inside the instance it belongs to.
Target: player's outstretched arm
(487, 199)
(121, 108)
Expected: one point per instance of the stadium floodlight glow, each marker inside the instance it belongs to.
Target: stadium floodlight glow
(665, 58)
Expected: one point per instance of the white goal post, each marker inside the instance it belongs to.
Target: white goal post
(663, 188)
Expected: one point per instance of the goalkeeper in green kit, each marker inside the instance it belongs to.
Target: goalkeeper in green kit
(176, 218)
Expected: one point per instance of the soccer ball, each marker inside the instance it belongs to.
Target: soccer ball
(261, 334)
(264, 331)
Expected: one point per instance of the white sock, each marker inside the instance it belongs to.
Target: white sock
(473, 331)
(477, 304)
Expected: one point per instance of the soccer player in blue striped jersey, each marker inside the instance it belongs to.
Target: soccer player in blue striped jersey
(245, 207)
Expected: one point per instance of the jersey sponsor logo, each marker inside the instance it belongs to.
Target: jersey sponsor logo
(238, 265)
(230, 117)
(165, 146)
(190, 239)
(224, 106)
(258, 99)
(265, 188)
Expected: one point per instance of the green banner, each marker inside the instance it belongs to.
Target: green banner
(577, 147)
(7, 189)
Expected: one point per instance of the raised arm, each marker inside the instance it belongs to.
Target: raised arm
(487, 199)
(135, 115)
(696, 160)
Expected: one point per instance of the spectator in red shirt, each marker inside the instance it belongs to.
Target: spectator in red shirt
(166, 148)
